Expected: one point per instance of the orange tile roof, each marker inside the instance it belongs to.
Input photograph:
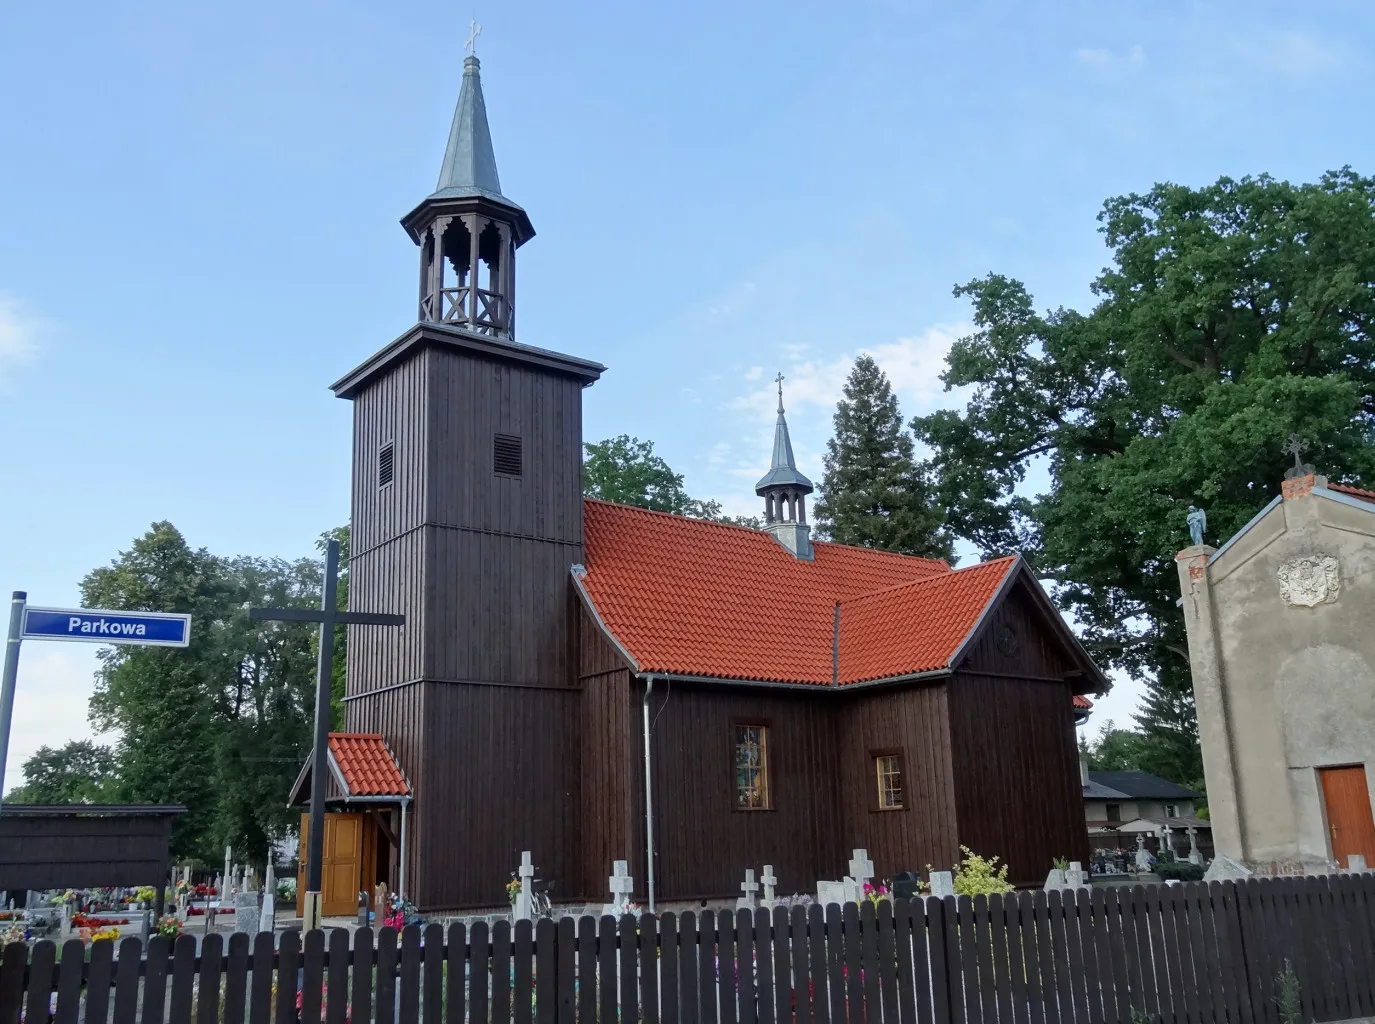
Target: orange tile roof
(917, 627)
(367, 764)
(1082, 703)
(1355, 492)
(692, 597)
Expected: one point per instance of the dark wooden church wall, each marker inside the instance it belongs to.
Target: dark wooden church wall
(606, 721)
(1017, 788)
(398, 713)
(1034, 650)
(470, 400)
(501, 777)
(704, 843)
(914, 723)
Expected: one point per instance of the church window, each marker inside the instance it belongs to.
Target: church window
(752, 767)
(386, 464)
(506, 455)
(888, 772)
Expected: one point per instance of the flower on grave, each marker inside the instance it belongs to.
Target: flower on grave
(105, 933)
(875, 893)
(145, 894)
(14, 933)
(795, 900)
(168, 926)
(183, 887)
(513, 889)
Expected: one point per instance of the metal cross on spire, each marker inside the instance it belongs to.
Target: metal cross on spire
(1296, 446)
(474, 30)
(779, 381)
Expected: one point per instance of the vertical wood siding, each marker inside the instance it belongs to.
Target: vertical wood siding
(913, 722)
(607, 759)
(704, 843)
(1017, 788)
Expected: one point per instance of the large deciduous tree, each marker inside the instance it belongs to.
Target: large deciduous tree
(626, 470)
(1232, 316)
(874, 494)
(79, 772)
(223, 725)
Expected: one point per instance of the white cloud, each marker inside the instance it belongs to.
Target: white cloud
(1293, 53)
(50, 701)
(1105, 60)
(18, 333)
(913, 365)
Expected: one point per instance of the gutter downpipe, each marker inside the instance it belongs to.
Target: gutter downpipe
(401, 867)
(649, 801)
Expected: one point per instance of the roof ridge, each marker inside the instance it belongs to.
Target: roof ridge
(1359, 492)
(887, 554)
(670, 515)
(927, 579)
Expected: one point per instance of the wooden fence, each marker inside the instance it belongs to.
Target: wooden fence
(1182, 954)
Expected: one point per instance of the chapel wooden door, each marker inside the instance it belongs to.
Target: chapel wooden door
(1349, 822)
(342, 869)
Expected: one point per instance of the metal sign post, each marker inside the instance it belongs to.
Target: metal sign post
(87, 625)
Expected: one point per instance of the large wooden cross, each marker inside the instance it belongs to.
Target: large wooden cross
(328, 617)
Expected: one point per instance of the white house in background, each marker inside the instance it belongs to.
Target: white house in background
(1112, 799)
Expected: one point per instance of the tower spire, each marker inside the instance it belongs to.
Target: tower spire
(467, 230)
(784, 490)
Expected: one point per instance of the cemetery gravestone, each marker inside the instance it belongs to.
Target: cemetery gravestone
(831, 892)
(749, 887)
(1056, 878)
(246, 912)
(622, 885)
(770, 883)
(521, 909)
(942, 883)
(267, 917)
(1143, 856)
(1224, 869)
(1195, 854)
(1355, 862)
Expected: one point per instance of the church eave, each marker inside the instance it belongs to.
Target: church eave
(465, 200)
(423, 335)
(783, 476)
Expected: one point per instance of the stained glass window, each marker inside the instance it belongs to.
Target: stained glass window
(751, 767)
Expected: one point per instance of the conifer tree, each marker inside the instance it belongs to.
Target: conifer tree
(874, 494)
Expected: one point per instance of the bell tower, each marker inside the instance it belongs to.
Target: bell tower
(468, 232)
(784, 490)
(467, 519)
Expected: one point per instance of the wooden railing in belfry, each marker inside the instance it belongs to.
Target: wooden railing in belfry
(1174, 954)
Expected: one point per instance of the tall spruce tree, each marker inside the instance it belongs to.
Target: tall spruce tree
(874, 494)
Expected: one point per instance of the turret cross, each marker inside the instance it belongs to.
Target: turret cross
(474, 30)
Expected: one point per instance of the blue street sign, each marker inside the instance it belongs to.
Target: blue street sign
(98, 626)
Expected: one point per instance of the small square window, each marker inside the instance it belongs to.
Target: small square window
(752, 767)
(506, 455)
(1114, 812)
(386, 464)
(1171, 811)
(888, 772)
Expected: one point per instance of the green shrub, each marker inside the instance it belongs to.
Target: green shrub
(1179, 870)
(975, 876)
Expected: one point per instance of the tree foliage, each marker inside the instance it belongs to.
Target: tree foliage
(223, 725)
(1115, 750)
(626, 470)
(874, 494)
(1232, 316)
(79, 772)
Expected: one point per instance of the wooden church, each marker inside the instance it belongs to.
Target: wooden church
(779, 700)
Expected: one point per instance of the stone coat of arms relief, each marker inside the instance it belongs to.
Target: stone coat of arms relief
(1309, 580)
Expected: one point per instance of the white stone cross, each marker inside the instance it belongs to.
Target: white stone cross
(770, 884)
(526, 873)
(861, 868)
(622, 885)
(749, 887)
(474, 30)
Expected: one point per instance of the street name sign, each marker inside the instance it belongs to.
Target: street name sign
(99, 626)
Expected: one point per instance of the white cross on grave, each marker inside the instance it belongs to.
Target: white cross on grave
(526, 874)
(622, 885)
(749, 887)
(861, 868)
(770, 883)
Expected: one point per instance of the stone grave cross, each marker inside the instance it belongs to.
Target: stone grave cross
(770, 883)
(1143, 857)
(526, 874)
(749, 887)
(622, 885)
(1195, 854)
(861, 870)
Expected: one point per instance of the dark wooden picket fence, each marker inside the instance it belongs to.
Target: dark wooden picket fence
(1174, 954)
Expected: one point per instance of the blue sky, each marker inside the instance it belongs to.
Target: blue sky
(199, 205)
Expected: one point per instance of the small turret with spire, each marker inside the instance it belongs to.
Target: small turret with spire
(784, 490)
(468, 232)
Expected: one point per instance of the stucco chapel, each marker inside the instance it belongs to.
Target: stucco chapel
(592, 682)
(1283, 658)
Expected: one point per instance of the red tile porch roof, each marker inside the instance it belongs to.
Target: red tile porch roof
(367, 764)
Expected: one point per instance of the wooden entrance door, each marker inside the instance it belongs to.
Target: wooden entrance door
(342, 871)
(1349, 822)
